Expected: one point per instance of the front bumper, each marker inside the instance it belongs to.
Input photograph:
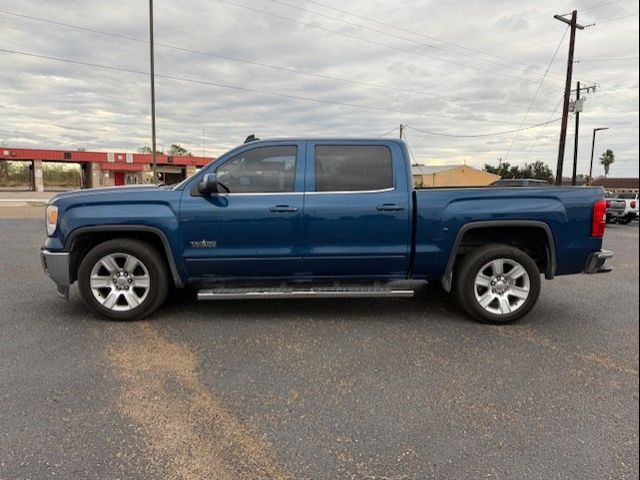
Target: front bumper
(56, 266)
(596, 262)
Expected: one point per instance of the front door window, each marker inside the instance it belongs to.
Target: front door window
(262, 170)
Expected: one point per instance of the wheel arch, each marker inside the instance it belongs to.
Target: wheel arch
(486, 232)
(82, 239)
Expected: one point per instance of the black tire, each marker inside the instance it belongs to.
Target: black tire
(152, 260)
(624, 220)
(471, 266)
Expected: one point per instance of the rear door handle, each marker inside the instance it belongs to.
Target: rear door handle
(283, 209)
(389, 207)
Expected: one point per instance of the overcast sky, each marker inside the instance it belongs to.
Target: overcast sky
(458, 67)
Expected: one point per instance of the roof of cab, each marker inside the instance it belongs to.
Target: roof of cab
(327, 139)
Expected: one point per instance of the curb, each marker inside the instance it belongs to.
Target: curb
(18, 202)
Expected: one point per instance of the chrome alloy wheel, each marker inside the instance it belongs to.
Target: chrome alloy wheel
(120, 282)
(502, 286)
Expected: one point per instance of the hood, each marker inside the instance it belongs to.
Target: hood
(89, 192)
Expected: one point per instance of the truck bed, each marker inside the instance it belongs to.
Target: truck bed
(440, 215)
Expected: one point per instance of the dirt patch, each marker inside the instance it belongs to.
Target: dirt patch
(184, 424)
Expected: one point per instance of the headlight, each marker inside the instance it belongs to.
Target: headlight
(52, 219)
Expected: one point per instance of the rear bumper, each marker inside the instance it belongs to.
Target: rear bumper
(596, 262)
(56, 266)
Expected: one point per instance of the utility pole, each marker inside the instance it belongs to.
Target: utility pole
(575, 137)
(401, 130)
(567, 90)
(154, 167)
(593, 144)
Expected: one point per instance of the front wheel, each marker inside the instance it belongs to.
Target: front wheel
(498, 284)
(123, 279)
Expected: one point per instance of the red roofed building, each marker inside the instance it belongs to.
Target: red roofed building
(614, 184)
(107, 168)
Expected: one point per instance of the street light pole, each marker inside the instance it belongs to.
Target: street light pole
(154, 167)
(593, 144)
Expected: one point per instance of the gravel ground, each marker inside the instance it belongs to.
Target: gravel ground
(362, 389)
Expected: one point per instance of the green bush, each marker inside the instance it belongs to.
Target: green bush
(17, 174)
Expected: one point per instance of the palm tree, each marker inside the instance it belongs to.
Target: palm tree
(606, 159)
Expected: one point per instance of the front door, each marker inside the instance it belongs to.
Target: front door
(357, 211)
(253, 227)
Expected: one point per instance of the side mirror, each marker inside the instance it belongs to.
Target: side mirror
(209, 184)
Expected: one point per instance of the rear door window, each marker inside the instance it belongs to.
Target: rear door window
(353, 168)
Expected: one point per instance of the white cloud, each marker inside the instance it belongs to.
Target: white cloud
(482, 73)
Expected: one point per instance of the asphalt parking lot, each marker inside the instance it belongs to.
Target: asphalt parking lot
(326, 389)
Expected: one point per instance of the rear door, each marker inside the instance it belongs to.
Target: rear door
(357, 209)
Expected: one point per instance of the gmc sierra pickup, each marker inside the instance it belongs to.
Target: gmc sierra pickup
(303, 218)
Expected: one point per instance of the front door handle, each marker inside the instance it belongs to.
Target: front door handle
(283, 209)
(389, 207)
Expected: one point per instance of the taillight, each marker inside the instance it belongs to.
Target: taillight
(633, 204)
(608, 203)
(599, 219)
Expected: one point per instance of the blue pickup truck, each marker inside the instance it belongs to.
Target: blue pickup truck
(301, 218)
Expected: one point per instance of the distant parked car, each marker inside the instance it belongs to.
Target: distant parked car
(615, 208)
(519, 182)
(631, 207)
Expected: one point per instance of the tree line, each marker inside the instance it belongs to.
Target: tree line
(174, 150)
(540, 170)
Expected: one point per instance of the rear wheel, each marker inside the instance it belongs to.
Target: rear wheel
(498, 284)
(123, 279)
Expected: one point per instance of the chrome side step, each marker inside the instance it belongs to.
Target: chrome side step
(301, 292)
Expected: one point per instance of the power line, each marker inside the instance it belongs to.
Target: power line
(616, 18)
(535, 95)
(389, 46)
(406, 141)
(616, 91)
(480, 135)
(618, 59)
(543, 130)
(381, 32)
(250, 90)
(413, 32)
(390, 131)
(600, 5)
(256, 63)
(373, 42)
